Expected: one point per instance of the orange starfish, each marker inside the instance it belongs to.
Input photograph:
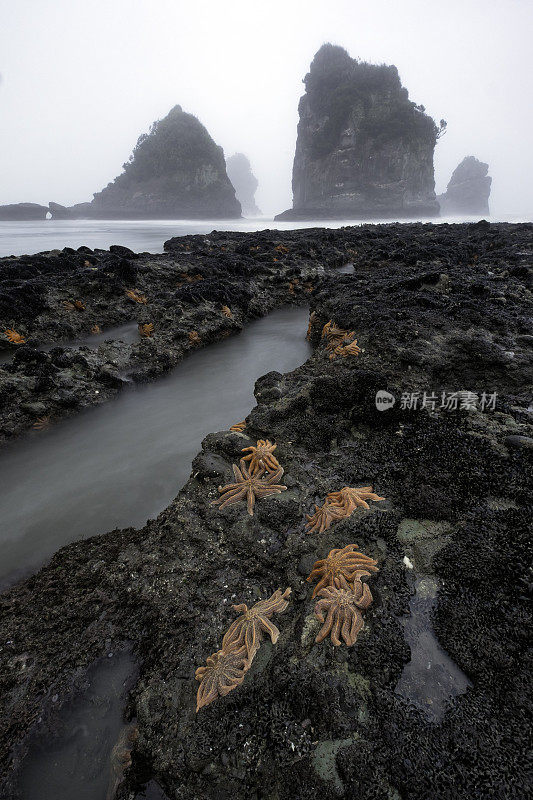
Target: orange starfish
(238, 427)
(262, 456)
(14, 337)
(146, 330)
(348, 562)
(95, 329)
(136, 297)
(342, 605)
(248, 629)
(349, 499)
(324, 515)
(227, 312)
(194, 338)
(249, 486)
(224, 671)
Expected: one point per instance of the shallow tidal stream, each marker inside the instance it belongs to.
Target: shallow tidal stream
(121, 463)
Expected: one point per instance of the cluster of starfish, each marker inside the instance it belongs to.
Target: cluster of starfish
(255, 480)
(340, 342)
(14, 337)
(339, 505)
(343, 595)
(225, 669)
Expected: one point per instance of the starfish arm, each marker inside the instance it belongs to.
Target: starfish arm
(323, 582)
(207, 692)
(351, 627)
(228, 487)
(231, 499)
(233, 636)
(250, 500)
(238, 472)
(366, 598)
(326, 627)
(336, 627)
(268, 626)
(252, 639)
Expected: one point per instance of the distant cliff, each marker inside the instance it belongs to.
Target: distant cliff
(175, 172)
(245, 183)
(468, 191)
(363, 148)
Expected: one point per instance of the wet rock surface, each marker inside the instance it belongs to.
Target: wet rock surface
(435, 309)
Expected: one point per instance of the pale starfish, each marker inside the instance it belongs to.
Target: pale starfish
(227, 312)
(262, 456)
(248, 629)
(249, 486)
(224, 671)
(323, 517)
(349, 499)
(348, 562)
(14, 337)
(342, 605)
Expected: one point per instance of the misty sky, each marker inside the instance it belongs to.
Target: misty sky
(82, 79)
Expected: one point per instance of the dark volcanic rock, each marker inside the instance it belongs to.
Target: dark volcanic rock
(468, 190)
(363, 148)
(175, 171)
(22, 211)
(313, 720)
(245, 183)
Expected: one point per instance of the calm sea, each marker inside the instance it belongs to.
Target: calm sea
(17, 238)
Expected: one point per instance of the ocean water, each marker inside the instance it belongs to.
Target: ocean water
(122, 462)
(18, 238)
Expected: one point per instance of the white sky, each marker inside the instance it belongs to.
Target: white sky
(82, 79)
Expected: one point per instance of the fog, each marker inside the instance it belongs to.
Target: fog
(81, 81)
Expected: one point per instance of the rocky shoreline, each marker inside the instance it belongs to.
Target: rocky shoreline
(435, 308)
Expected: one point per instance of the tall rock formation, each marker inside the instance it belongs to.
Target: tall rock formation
(245, 183)
(363, 148)
(175, 172)
(468, 191)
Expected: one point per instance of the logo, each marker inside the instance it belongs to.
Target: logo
(384, 400)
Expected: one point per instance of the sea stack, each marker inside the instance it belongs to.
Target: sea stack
(245, 183)
(468, 191)
(23, 211)
(363, 149)
(175, 172)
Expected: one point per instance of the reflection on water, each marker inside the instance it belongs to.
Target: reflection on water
(431, 679)
(121, 463)
(75, 763)
(148, 236)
